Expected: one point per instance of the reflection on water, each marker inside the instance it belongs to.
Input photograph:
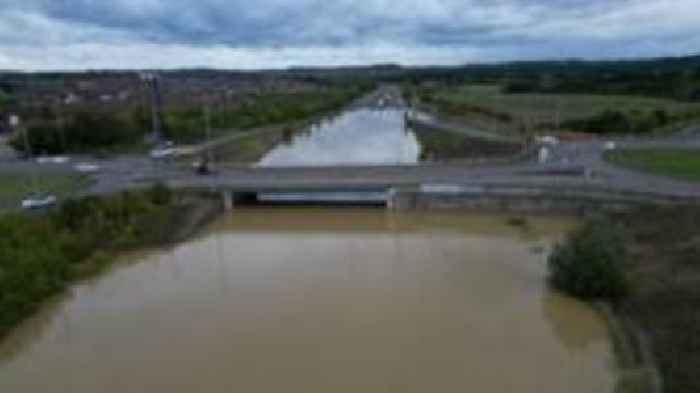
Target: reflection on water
(313, 300)
(362, 136)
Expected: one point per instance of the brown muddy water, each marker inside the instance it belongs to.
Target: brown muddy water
(323, 300)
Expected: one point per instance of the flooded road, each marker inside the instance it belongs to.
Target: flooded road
(356, 137)
(323, 300)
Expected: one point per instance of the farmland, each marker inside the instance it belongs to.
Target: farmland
(486, 106)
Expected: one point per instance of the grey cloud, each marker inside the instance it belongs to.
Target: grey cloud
(458, 30)
(314, 22)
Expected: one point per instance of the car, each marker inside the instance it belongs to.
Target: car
(547, 140)
(52, 159)
(86, 167)
(162, 152)
(38, 201)
(60, 159)
(203, 167)
(610, 145)
(43, 160)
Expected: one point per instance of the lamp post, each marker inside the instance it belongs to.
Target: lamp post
(16, 123)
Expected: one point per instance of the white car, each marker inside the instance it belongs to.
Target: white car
(162, 153)
(85, 167)
(547, 140)
(43, 160)
(610, 145)
(60, 159)
(164, 150)
(53, 160)
(38, 201)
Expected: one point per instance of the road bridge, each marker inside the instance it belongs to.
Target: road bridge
(595, 183)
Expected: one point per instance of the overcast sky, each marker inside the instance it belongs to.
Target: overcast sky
(79, 34)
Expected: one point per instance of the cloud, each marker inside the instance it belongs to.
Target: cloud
(45, 34)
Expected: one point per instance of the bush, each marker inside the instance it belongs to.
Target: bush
(160, 194)
(588, 264)
(521, 86)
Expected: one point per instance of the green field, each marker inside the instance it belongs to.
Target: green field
(678, 163)
(570, 106)
(13, 187)
(485, 104)
(442, 145)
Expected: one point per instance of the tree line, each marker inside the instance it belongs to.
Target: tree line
(89, 130)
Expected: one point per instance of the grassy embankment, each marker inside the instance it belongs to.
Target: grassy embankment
(41, 255)
(488, 107)
(664, 274)
(251, 146)
(14, 187)
(261, 111)
(650, 272)
(450, 145)
(678, 163)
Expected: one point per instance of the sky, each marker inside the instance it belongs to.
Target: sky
(253, 34)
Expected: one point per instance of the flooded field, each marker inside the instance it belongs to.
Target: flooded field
(323, 300)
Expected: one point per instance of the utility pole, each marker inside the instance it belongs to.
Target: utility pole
(59, 128)
(207, 131)
(152, 82)
(27, 145)
(15, 121)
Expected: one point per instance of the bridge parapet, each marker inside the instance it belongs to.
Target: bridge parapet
(528, 198)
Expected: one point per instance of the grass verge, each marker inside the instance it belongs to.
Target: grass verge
(13, 187)
(446, 145)
(486, 106)
(663, 271)
(678, 163)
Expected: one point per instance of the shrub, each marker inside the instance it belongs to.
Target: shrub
(160, 194)
(661, 117)
(518, 222)
(587, 264)
(521, 86)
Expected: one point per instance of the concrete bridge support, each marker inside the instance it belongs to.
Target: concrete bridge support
(227, 198)
(391, 199)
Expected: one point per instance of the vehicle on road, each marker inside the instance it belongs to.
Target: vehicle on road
(38, 201)
(203, 167)
(547, 140)
(52, 159)
(610, 145)
(86, 167)
(165, 150)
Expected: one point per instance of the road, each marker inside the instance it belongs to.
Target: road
(571, 164)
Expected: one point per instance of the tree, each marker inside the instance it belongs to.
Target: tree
(588, 264)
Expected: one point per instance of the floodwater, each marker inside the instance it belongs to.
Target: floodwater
(356, 137)
(323, 300)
